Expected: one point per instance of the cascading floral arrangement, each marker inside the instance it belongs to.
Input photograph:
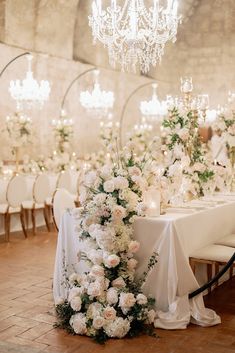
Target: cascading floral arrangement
(185, 157)
(108, 300)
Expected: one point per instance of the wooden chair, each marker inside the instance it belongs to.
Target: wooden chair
(213, 256)
(15, 194)
(62, 200)
(39, 193)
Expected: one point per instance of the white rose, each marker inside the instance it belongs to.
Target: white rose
(120, 183)
(141, 299)
(78, 323)
(74, 292)
(105, 239)
(134, 246)
(95, 289)
(106, 172)
(98, 322)
(109, 313)
(95, 309)
(97, 271)
(118, 282)
(96, 256)
(131, 264)
(127, 300)
(100, 198)
(109, 186)
(76, 303)
(118, 213)
(112, 296)
(93, 229)
(112, 261)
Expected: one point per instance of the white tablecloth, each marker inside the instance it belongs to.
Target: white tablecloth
(174, 237)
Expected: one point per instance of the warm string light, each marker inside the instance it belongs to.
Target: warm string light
(134, 34)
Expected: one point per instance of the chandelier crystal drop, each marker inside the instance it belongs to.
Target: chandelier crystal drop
(135, 34)
(29, 93)
(97, 100)
(154, 108)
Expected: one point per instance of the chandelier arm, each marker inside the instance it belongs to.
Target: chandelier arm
(11, 61)
(71, 85)
(125, 106)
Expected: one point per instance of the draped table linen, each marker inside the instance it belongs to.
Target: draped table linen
(174, 236)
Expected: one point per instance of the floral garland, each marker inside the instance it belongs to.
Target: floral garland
(108, 301)
(185, 158)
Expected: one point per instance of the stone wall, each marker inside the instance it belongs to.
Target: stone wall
(60, 72)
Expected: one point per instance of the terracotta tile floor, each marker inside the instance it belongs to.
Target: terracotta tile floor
(27, 315)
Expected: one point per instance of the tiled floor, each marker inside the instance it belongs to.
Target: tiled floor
(27, 315)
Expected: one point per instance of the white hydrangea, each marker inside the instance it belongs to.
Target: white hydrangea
(117, 328)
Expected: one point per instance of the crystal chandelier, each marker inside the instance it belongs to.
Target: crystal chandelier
(29, 93)
(153, 109)
(134, 34)
(97, 100)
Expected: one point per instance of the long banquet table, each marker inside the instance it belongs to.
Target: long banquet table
(174, 236)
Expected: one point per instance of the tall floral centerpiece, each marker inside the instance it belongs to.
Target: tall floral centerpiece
(63, 133)
(108, 300)
(18, 131)
(185, 159)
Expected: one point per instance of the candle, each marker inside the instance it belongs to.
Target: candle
(152, 199)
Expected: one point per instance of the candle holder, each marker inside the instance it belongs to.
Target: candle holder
(152, 198)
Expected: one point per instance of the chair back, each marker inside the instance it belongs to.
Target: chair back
(41, 188)
(16, 191)
(62, 200)
(3, 189)
(64, 180)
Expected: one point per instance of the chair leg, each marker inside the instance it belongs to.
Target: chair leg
(209, 275)
(26, 215)
(6, 226)
(33, 220)
(22, 220)
(192, 265)
(45, 213)
(216, 271)
(231, 272)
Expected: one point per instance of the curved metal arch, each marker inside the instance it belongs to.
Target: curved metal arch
(71, 85)
(11, 61)
(126, 104)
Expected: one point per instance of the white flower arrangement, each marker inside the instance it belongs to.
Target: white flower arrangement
(186, 165)
(63, 131)
(225, 126)
(108, 301)
(18, 130)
